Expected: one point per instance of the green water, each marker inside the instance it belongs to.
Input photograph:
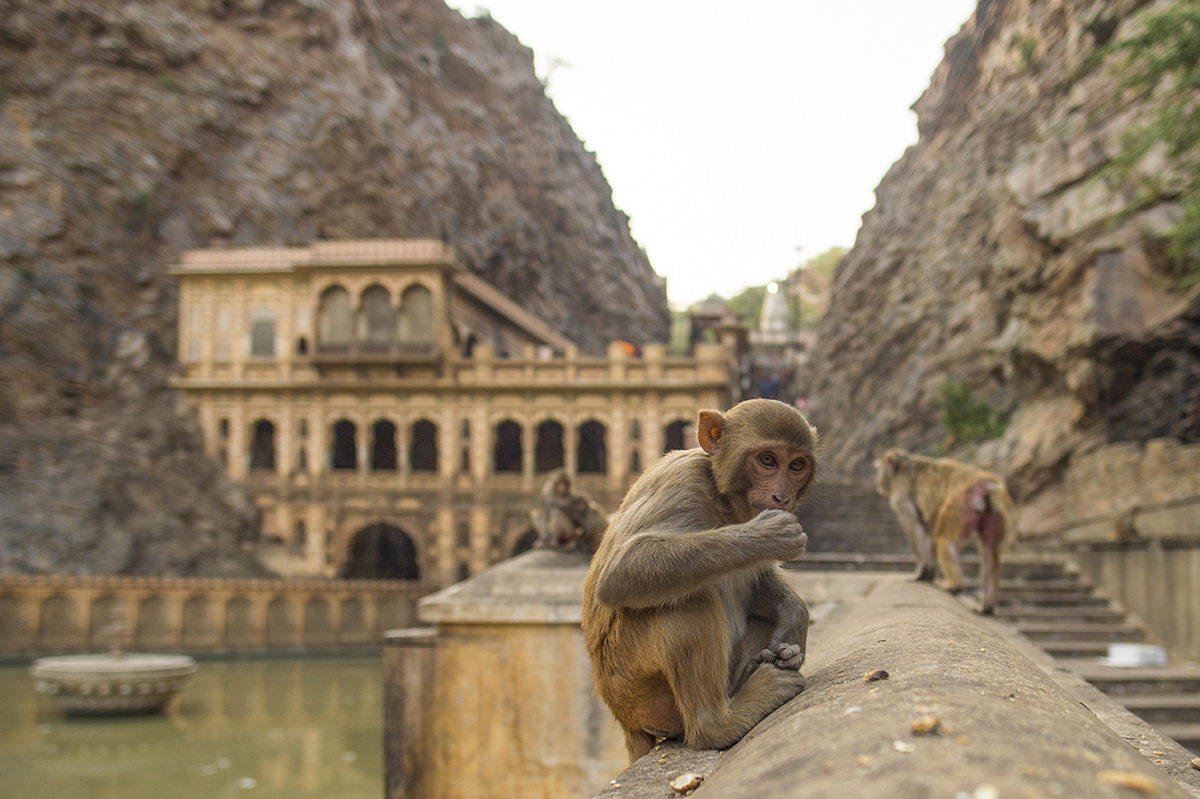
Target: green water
(245, 729)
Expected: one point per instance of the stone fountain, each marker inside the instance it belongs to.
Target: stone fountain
(113, 683)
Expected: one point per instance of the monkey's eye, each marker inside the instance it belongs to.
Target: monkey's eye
(798, 465)
(768, 459)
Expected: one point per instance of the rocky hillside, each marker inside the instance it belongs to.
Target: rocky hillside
(132, 130)
(1000, 257)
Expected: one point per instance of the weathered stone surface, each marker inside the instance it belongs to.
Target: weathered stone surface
(997, 254)
(1010, 722)
(132, 130)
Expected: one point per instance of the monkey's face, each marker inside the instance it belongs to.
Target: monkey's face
(885, 470)
(778, 473)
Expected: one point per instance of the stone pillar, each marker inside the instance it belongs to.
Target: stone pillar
(447, 546)
(506, 652)
(655, 356)
(619, 445)
(480, 438)
(238, 453)
(314, 544)
(481, 539)
(571, 448)
(409, 658)
(528, 451)
(318, 438)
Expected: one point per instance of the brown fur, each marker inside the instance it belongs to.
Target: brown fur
(691, 629)
(939, 502)
(565, 519)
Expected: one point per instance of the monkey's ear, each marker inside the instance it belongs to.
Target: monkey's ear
(709, 428)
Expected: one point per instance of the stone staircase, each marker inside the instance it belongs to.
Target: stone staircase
(1042, 594)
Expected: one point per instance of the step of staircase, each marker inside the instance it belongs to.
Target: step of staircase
(1162, 707)
(1038, 631)
(1059, 614)
(1074, 650)
(1174, 678)
(1186, 735)
(1038, 597)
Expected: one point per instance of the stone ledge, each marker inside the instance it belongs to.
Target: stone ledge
(1013, 723)
(538, 587)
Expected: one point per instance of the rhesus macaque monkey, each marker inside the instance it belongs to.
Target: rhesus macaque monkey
(940, 502)
(566, 520)
(691, 629)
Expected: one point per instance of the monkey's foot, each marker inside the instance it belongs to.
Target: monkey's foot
(952, 588)
(783, 656)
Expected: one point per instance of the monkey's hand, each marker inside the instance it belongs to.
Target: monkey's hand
(783, 655)
(780, 533)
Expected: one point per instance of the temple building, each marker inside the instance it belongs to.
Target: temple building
(394, 415)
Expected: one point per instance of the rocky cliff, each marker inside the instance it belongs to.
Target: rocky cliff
(132, 130)
(1000, 255)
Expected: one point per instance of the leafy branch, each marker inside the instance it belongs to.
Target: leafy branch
(1161, 63)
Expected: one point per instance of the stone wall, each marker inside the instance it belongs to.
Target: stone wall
(64, 614)
(969, 709)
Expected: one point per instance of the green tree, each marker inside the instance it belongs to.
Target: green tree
(747, 306)
(965, 417)
(1162, 63)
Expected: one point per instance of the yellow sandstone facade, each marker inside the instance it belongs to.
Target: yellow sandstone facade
(394, 415)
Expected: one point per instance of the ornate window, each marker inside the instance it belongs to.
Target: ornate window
(335, 322)
(377, 319)
(262, 333)
(414, 326)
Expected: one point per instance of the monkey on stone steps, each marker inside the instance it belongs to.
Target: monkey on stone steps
(939, 502)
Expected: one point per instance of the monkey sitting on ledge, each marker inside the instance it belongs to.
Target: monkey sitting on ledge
(566, 520)
(939, 502)
(691, 629)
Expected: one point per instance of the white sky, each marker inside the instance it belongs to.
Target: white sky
(741, 142)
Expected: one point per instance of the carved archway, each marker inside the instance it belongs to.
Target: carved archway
(381, 552)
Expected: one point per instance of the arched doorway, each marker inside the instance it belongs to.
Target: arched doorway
(675, 435)
(548, 452)
(383, 446)
(381, 552)
(345, 450)
(423, 452)
(262, 446)
(592, 456)
(508, 447)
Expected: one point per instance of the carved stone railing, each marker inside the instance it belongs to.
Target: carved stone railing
(57, 613)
